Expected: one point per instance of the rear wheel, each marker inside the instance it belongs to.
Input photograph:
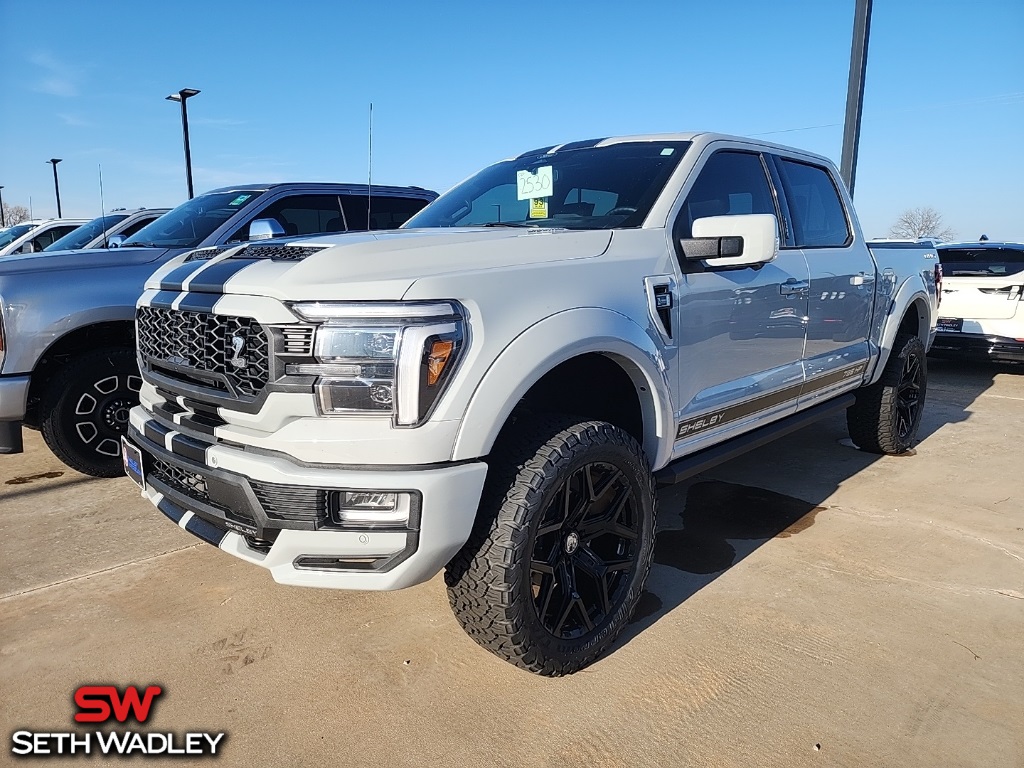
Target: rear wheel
(562, 545)
(84, 410)
(886, 415)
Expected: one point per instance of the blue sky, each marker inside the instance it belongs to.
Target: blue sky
(458, 85)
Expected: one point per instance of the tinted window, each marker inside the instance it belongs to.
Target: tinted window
(11, 234)
(188, 225)
(49, 236)
(729, 184)
(86, 233)
(576, 183)
(386, 212)
(301, 215)
(135, 226)
(981, 262)
(818, 216)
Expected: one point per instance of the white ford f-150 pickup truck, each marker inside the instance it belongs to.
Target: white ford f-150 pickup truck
(496, 388)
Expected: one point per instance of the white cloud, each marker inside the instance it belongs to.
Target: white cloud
(57, 78)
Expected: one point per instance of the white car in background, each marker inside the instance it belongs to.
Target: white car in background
(35, 235)
(981, 315)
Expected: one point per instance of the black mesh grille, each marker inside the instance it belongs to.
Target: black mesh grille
(235, 348)
(276, 252)
(204, 254)
(192, 484)
(291, 502)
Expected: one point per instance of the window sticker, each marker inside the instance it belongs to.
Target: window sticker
(668, 151)
(531, 186)
(539, 208)
(240, 199)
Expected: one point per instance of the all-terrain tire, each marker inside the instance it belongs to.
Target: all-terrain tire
(84, 410)
(886, 416)
(561, 547)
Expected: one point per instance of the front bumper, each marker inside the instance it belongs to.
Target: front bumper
(270, 511)
(978, 347)
(13, 400)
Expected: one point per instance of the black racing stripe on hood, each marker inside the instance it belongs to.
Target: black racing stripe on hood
(175, 279)
(212, 279)
(164, 299)
(198, 302)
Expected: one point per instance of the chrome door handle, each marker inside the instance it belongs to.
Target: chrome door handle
(794, 287)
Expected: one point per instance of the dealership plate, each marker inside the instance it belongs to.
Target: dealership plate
(133, 463)
(950, 324)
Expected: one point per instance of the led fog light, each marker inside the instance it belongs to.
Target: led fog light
(371, 508)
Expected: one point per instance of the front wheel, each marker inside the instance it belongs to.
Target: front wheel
(562, 545)
(84, 410)
(886, 416)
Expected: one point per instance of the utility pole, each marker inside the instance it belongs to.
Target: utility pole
(855, 92)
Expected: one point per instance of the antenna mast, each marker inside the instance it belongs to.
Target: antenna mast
(103, 213)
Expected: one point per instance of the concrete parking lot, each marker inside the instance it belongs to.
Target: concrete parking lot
(810, 605)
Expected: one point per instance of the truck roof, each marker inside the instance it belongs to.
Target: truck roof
(326, 186)
(701, 138)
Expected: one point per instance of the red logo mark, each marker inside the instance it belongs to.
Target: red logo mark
(96, 703)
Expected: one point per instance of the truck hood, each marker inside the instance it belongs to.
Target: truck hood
(84, 259)
(382, 265)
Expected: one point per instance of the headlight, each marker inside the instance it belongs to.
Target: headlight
(388, 359)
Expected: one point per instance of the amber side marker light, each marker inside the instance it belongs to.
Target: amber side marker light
(437, 359)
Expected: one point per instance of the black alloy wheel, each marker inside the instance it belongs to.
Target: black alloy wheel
(584, 550)
(562, 544)
(908, 395)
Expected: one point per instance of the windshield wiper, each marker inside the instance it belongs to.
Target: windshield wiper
(138, 244)
(506, 224)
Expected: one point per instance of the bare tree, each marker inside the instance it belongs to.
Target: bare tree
(15, 214)
(921, 222)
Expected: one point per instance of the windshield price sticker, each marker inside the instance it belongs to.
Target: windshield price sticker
(533, 185)
(539, 208)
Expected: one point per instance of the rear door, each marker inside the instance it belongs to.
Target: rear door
(842, 278)
(740, 330)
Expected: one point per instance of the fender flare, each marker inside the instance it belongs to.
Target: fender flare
(555, 340)
(910, 295)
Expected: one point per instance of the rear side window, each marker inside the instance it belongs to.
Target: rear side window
(729, 184)
(981, 262)
(131, 229)
(818, 217)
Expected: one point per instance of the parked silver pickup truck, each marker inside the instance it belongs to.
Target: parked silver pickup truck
(67, 333)
(495, 388)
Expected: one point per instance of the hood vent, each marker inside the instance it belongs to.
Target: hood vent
(276, 252)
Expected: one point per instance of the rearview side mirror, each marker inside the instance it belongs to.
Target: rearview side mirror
(733, 241)
(261, 229)
(115, 241)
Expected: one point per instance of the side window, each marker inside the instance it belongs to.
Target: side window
(50, 236)
(131, 229)
(818, 217)
(729, 184)
(386, 212)
(300, 215)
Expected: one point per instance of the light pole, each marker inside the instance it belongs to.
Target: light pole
(855, 92)
(184, 95)
(56, 184)
(3, 216)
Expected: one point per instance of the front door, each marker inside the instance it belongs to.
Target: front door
(741, 330)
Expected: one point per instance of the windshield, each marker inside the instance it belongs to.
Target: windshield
(574, 187)
(81, 237)
(9, 235)
(981, 262)
(188, 225)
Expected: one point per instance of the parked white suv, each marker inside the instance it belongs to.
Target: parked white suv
(982, 311)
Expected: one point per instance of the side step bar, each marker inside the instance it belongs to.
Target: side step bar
(695, 463)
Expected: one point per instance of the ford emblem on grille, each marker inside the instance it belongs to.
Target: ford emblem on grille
(238, 346)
